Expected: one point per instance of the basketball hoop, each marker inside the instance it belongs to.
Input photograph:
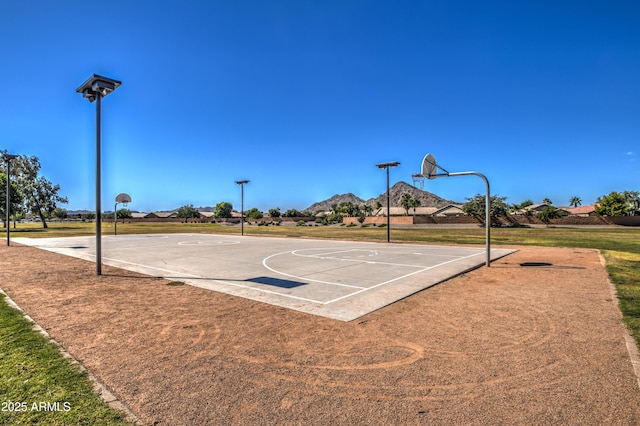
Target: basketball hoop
(418, 180)
(429, 167)
(123, 199)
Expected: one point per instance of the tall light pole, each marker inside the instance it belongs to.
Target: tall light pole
(8, 158)
(387, 166)
(242, 183)
(94, 89)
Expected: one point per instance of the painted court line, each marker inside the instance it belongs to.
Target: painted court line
(363, 289)
(290, 296)
(176, 274)
(374, 262)
(299, 277)
(399, 278)
(335, 252)
(114, 262)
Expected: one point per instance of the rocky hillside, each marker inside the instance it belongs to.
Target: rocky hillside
(427, 199)
(338, 199)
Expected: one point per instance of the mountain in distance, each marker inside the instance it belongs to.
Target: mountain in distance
(427, 199)
(206, 209)
(337, 199)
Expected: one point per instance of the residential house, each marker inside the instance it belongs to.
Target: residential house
(451, 210)
(583, 211)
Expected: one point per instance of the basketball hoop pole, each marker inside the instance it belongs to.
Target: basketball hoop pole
(487, 207)
(120, 198)
(432, 167)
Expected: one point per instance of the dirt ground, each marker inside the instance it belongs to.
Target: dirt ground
(501, 345)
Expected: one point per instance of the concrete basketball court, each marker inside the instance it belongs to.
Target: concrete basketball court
(336, 279)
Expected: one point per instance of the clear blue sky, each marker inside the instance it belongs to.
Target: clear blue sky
(305, 97)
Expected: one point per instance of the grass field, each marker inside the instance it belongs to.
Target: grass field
(21, 346)
(38, 385)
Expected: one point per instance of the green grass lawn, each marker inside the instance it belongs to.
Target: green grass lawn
(32, 370)
(38, 385)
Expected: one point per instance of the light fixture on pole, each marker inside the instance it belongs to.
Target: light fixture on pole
(120, 198)
(387, 166)
(242, 183)
(8, 158)
(94, 89)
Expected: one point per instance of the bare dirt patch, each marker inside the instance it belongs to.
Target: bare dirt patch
(509, 344)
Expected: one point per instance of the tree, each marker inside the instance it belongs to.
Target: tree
(293, 213)
(253, 213)
(522, 206)
(575, 201)
(405, 202)
(348, 208)
(408, 202)
(124, 214)
(414, 203)
(476, 206)
(614, 204)
(333, 218)
(548, 213)
(633, 202)
(41, 198)
(274, 212)
(547, 201)
(188, 212)
(60, 213)
(39, 195)
(16, 198)
(223, 209)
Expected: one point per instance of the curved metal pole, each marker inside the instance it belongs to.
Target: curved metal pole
(487, 208)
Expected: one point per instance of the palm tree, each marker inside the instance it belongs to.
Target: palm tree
(547, 201)
(575, 202)
(414, 203)
(378, 206)
(548, 213)
(405, 202)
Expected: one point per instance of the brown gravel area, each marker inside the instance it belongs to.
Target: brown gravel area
(500, 345)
